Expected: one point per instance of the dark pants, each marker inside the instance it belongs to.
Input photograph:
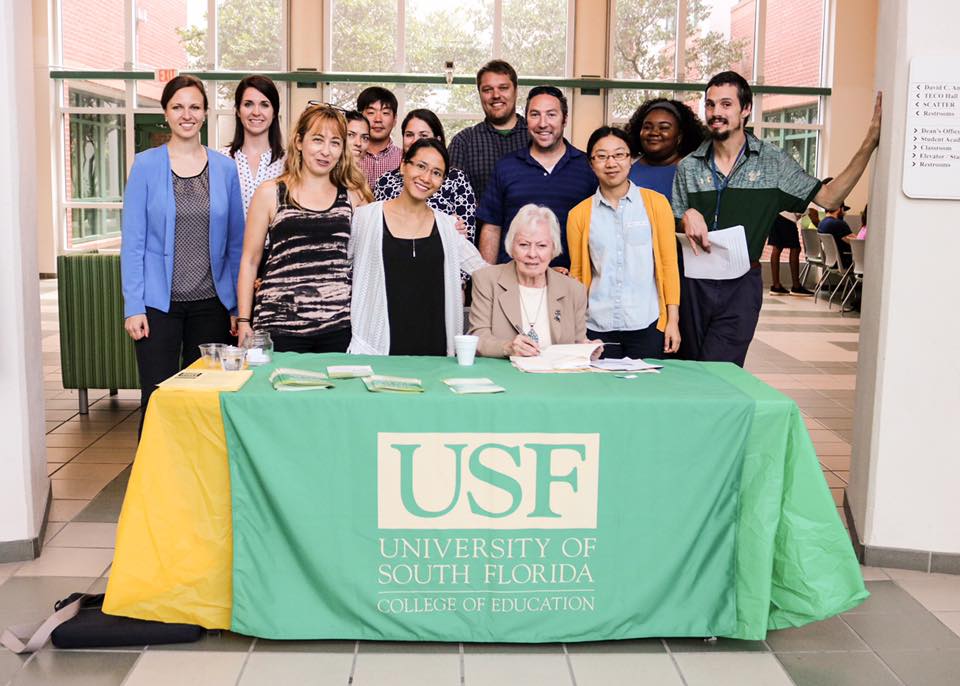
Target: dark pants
(723, 317)
(637, 344)
(330, 342)
(688, 334)
(174, 339)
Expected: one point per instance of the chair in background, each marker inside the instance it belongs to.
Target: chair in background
(857, 249)
(812, 251)
(95, 351)
(831, 266)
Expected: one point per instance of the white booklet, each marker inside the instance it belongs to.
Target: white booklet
(624, 364)
(471, 386)
(728, 257)
(569, 357)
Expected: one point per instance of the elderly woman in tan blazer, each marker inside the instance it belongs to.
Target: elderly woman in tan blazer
(524, 306)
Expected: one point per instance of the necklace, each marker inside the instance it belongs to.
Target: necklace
(532, 332)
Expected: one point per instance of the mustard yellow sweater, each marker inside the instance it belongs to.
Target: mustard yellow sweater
(665, 267)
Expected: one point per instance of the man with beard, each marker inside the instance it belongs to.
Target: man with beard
(551, 173)
(734, 179)
(475, 150)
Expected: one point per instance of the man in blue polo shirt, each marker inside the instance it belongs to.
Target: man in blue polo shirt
(551, 172)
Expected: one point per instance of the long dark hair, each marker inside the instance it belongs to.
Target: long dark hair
(428, 118)
(269, 89)
(692, 130)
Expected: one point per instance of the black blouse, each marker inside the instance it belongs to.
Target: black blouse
(413, 271)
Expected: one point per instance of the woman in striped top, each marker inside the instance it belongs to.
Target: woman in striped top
(304, 301)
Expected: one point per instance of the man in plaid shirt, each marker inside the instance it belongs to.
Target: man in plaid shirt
(475, 150)
(379, 106)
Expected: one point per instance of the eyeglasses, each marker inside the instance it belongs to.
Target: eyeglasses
(602, 157)
(422, 167)
(317, 103)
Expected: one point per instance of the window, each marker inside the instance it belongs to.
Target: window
(653, 42)
(425, 34)
(105, 122)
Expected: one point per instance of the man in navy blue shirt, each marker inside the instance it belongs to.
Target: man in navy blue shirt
(834, 225)
(551, 172)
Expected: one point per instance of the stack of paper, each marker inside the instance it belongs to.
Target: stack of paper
(570, 357)
(349, 371)
(395, 384)
(206, 380)
(625, 364)
(465, 386)
(287, 379)
(728, 257)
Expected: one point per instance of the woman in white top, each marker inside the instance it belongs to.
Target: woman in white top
(257, 145)
(407, 259)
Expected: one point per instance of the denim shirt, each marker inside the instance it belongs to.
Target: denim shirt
(623, 291)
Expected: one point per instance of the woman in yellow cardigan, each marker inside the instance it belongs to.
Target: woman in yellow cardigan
(623, 248)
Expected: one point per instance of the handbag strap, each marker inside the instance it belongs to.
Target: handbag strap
(29, 638)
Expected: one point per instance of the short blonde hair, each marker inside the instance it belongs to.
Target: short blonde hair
(534, 214)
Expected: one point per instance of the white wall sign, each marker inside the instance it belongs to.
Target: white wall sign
(931, 160)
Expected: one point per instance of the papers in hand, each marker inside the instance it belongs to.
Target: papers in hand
(287, 379)
(625, 364)
(393, 384)
(465, 386)
(569, 357)
(728, 257)
(349, 371)
(206, 380)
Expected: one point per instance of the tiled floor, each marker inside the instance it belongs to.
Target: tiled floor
(908, 632)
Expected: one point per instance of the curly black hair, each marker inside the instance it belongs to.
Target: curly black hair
(692, 130)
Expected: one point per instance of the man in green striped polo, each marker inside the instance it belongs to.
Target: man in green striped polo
(734, 179)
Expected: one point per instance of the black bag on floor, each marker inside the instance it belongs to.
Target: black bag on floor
(78, 621)
(91, 628)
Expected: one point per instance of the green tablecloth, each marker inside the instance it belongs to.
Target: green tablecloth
(572, 507)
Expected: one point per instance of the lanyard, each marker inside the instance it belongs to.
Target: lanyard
(721, 187)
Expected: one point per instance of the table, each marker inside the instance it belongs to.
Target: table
(572, 507)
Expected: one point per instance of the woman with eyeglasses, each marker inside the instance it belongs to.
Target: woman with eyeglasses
(407, 259)
(623, 248)
(304, 300)
(455, 196)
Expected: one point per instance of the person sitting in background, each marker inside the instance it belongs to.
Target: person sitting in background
(379, 106)
(661, 133)
(455, 196)
(783, 234)
(523, 306)
(407, 259)
(834, 225)
(551, 171)
(182, 237)
(862, 233)
(358, 134)
(623, 249)
(304, 301)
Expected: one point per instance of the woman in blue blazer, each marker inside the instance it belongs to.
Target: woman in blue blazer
(181, 242)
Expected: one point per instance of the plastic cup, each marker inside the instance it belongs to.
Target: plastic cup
(466, 347)
(231, 358)
(210, 354)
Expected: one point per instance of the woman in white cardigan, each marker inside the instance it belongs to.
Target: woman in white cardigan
(407, 259)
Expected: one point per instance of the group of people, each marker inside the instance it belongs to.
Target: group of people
(343, 241)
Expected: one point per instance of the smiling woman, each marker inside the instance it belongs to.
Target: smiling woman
(407, 298)
(304, 300)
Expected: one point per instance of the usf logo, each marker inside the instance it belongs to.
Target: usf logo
(487, 481)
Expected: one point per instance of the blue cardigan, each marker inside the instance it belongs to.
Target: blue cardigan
(149, 218)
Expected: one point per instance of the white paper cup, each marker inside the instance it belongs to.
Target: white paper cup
(466, 347)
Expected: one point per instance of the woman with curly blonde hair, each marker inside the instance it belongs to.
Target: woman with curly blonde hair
(304, 300)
